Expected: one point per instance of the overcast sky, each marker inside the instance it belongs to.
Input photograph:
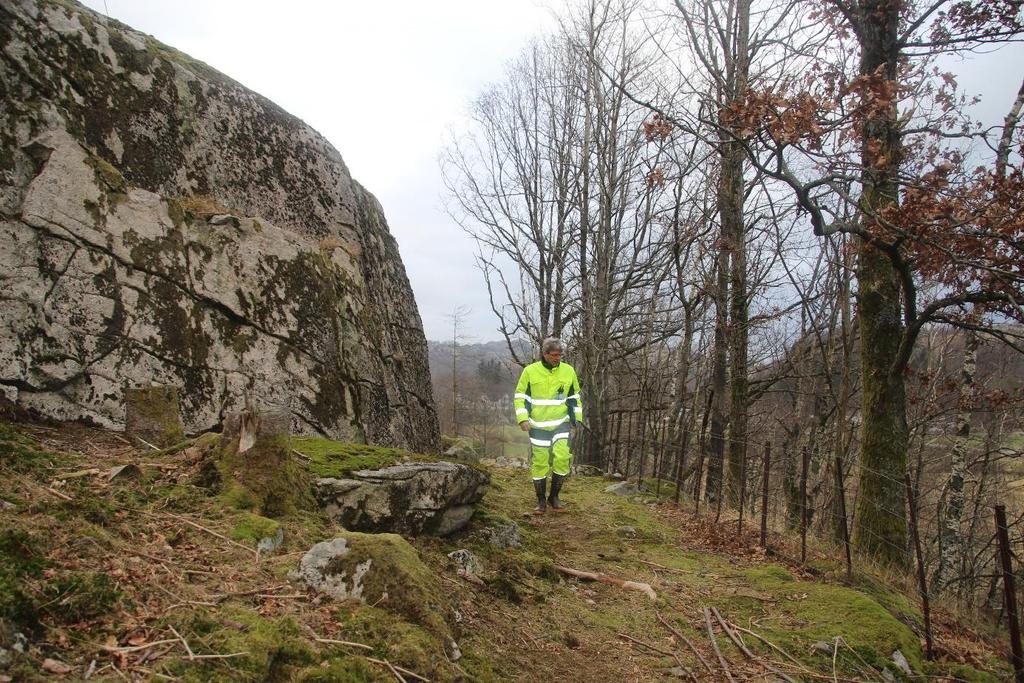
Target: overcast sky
(385, 81)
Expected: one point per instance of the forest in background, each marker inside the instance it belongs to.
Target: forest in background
(786, 263)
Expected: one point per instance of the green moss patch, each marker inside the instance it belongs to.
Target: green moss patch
(805, 612)
(409, 645)
(250, 527)
(397, 579)
(266, 479)
(20, 452)
(336, 459)
(265, 649)
(19, 561)
(81, 596)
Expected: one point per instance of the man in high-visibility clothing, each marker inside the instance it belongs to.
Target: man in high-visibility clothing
(547, 403)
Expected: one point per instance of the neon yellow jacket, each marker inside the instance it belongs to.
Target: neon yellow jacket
(548, 397)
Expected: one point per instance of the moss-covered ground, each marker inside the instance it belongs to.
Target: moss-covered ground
(157, 578)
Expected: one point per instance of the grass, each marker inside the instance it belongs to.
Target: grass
(124, 564)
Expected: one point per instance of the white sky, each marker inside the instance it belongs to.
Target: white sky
(383, 82)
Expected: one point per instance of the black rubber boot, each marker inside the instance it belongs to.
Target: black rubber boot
(556, 487)
(539, 485)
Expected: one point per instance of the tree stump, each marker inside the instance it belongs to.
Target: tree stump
(254, 468)
(152, 415)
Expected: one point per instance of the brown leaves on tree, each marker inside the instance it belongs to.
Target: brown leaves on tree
(657, 128)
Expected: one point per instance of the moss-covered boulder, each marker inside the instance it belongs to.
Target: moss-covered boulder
(381, 570)
(414, 498)
(153, 415)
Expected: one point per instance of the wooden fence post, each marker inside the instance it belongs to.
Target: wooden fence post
(806, 456)
(764, 493)
(1006, 559)
(922, 584)
(841, 492)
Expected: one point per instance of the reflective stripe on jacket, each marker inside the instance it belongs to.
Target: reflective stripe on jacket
(548, 397)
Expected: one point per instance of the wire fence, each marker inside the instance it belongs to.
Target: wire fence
(807, 498)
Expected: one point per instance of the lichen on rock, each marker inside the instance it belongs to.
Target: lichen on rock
(377, 569)
(161, 223)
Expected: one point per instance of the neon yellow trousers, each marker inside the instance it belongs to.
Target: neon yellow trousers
(550, 451)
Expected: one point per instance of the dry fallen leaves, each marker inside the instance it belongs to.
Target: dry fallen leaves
(56, 667)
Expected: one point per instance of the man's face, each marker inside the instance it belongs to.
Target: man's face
(553, 357)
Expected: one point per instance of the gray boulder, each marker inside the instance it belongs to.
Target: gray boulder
(504, 536)
(379, 569)
(412, 499)
(466, 561)
(462, 450)
(623, 488)
(161, 223)
(319, 569)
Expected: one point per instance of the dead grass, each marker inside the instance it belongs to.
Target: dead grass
(202, 205)
(180, 578)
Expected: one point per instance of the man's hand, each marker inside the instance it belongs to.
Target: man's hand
(524, 425)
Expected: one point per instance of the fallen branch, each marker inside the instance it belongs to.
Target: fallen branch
(213, 533)
(610, 580)
(228, 656)
(835, 652)
(743, 648)
(302, 455)
(714, 645)
(189, 603)
(398, 676)
(686, 640)
(146, 443)
(255, 591)
(398, 668)
(58, 493)
(191, 655)
(136, 648)
(329, 641)
(772, 645)
(673, 655)
(804, 671)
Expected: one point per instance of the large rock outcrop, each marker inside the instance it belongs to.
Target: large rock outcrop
(160, 223)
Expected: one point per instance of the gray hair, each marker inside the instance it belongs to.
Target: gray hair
(550, 344)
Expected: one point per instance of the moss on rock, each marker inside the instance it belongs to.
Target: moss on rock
(153, 414)
(384, 569)
(250, 527)
(336, 459)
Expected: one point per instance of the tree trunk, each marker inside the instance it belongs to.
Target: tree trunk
(731, 212)
(881, 525)
(716, 439)
(951, 541)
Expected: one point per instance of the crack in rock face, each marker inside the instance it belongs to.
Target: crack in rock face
(161, 224)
